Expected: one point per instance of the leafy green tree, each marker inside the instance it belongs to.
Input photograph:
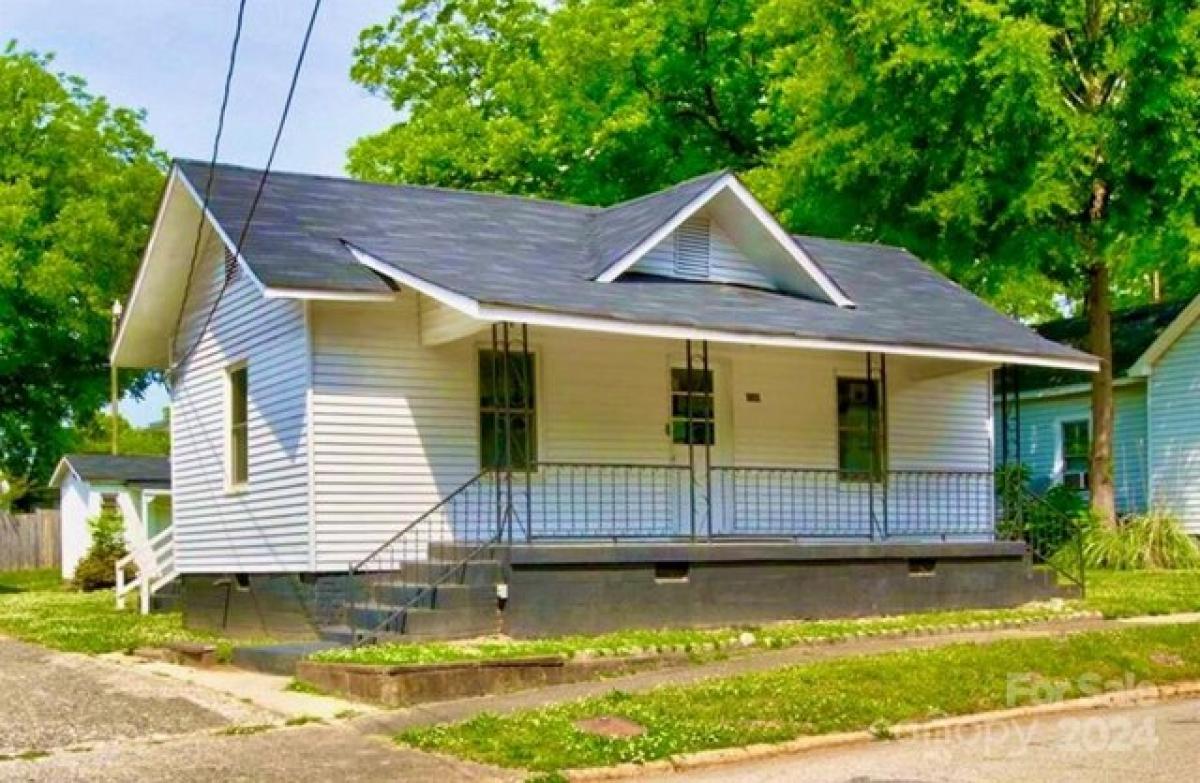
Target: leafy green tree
(96, 437)
(593, 100)
(1031, 147)
(79, 180)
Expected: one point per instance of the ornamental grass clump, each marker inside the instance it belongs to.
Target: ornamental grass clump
(1148, 541)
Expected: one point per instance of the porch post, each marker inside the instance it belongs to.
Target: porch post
(691, 447)
(496, 447)
(508, 456)
(1004, 415)
(709, 436)
(1016, 382)
(883, 437)
(527, 408)
(871, 470)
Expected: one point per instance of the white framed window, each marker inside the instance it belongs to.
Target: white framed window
(237, 432)
(1074, 451)
(693, 401)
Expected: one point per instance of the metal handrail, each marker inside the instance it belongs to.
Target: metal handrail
(356, 567)
(1076, 529)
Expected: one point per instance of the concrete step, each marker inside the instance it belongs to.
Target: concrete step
(425, 620)
(443, 596)
(476, 572)
(454, 551)
(280, 658)
(450, 623)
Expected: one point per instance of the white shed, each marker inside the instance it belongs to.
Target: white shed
(139, 487)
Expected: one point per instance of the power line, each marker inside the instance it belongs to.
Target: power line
(262, 182)
(212, 164)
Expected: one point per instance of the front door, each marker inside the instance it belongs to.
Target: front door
(700, 424)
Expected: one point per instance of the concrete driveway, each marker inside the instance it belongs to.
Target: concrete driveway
(66, 717)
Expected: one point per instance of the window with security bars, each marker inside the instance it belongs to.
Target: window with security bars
(860, 430)
(1076, 446)
(693, 249)
(692, 410)
(507, 411)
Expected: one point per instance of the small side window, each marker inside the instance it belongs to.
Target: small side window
(1076, 439)
(238, 436)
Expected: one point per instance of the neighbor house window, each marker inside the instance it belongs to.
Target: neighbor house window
(1076, 444)
(860, 430)
(238, 436)
(692, 401)
(507, 410)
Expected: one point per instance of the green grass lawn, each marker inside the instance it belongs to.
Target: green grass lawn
(1113, 593)
(1131, 593)
(698, 641)
(819, 698)
(36, 607)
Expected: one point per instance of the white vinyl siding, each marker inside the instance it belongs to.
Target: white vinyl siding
(397, 422)
(262, 527)
(725, 263)
(1175, 429)
(1041, 435)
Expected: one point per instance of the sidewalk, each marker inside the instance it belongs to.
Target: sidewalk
(394, 721)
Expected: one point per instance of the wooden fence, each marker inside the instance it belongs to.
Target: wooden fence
(29, 541)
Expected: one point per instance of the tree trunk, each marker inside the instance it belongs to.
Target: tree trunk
(1100, 467)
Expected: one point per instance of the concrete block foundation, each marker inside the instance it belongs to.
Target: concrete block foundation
(572, 588)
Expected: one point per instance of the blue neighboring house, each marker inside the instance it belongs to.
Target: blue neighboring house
(1156, 439)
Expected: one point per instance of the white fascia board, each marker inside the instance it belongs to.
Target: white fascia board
(818, 275)
(269, 292)
(229, 244)
(488, 312)
(172, 178)
(623, 263)
(60, 473)
(1145, 362)
(766, 219)
(464, 304)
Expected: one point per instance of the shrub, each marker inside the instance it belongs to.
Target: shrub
(98, 568)
(1154, 540)
(1047, 520)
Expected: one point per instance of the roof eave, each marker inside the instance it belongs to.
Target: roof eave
(499, 311)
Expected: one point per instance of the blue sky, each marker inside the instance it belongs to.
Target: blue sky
(168, 57)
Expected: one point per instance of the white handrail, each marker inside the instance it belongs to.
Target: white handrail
(155, 561)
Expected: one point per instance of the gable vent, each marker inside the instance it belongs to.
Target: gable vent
(692, 248)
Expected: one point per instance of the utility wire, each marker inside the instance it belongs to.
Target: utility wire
(212, 164)
(262, 182)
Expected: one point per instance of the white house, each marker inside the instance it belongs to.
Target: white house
(671, 390)
(137, 487)
(1156, 433)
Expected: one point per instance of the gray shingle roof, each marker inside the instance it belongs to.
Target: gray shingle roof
(125, 469)
(537, 254)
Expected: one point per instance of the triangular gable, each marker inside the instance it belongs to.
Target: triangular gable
(1165, 340)
(749, 227)
(701, 250)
